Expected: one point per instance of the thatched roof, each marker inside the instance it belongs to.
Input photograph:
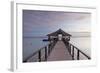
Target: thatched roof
(60, 31)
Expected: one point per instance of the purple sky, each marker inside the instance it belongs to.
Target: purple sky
(40, 23)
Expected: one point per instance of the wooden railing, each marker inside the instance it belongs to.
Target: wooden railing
(42, 56)
(71, 48)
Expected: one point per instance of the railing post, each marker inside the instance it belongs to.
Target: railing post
(69, 48)
(77, 54)
(45, 53)
(39, 56)
(49, 48)
(73, 53)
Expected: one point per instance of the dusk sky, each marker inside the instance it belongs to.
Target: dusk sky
(40, 23)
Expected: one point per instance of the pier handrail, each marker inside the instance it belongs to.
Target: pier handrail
(47, 48)
(71, 49)
(78, 52)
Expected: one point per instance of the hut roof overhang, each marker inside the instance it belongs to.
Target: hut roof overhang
(60, 31)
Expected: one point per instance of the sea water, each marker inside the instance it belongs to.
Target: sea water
(30, 45)
(83, 44)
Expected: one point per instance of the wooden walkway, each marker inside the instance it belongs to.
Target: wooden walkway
(59, 52)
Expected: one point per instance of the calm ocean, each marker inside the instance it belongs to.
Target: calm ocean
(31, 45)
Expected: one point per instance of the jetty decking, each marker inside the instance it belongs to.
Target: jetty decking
(59, 48)
(59, 52)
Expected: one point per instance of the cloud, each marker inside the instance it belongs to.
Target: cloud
(42, 22)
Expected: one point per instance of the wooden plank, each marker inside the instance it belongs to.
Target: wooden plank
(59, 52)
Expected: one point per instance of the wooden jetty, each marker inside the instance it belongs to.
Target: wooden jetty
(59, 49)
(59, 52)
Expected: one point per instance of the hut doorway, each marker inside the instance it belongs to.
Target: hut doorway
(59, 37)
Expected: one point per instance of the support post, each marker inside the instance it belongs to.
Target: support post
(49, 48)
(73, 53)
(45, 53)
(70, 49)
(39, 56)
(77, 54)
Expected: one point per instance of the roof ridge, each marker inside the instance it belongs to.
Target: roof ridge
(59, 31)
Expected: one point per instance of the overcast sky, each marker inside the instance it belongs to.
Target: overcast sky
(40, 23)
